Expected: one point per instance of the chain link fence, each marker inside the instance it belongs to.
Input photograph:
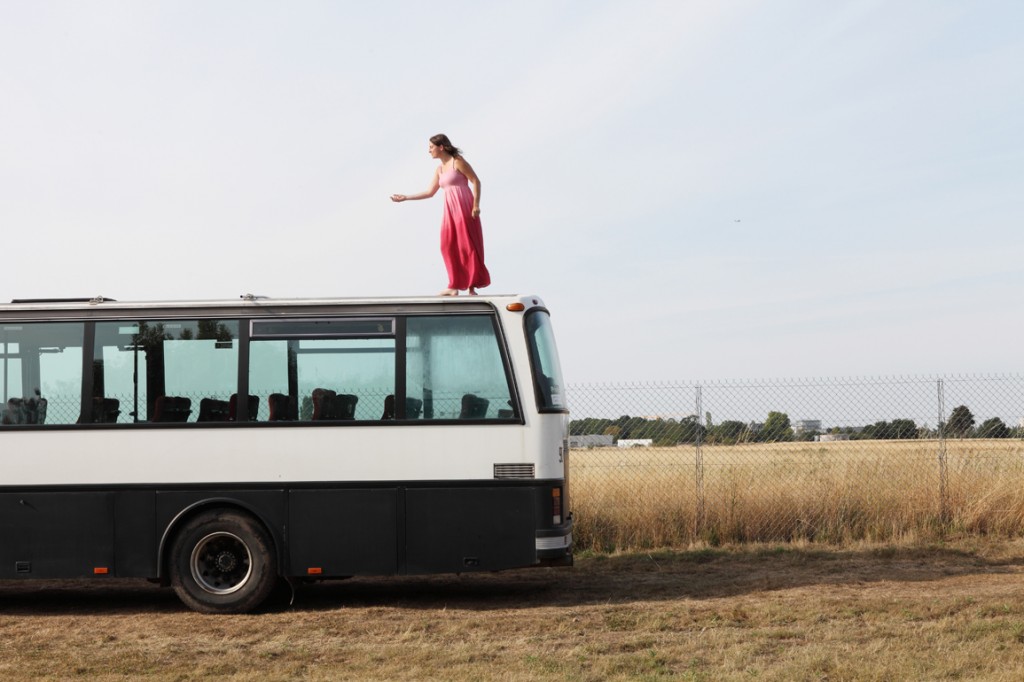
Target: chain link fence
(825, 460)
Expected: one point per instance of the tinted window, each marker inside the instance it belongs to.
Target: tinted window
(165, 371)
(322, 379)
(40, 373)
(455, 370)
(547, 372)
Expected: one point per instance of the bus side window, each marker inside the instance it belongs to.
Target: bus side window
(455, 368)
(41, 373)
(157, 370)
(322, 379)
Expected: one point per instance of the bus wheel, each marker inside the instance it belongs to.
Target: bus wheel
(223, 561)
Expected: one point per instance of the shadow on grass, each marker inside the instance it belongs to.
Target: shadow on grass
(88, 596)
(660, 576)
(606, 579)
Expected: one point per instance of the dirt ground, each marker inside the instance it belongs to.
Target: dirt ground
(951, 611)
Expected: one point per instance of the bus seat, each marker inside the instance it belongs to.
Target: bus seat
(13, 413)
(25, 411)
(412, 408)
(344, 406)
(428, 403)
(318, 397)
(473, 407)
(105, 410)
(279, 407)
(331, 406)
(254, 406)
(169, 408)
(389, 407)
(507, 413)
(213, 410)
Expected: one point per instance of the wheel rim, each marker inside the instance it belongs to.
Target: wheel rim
(221, 563)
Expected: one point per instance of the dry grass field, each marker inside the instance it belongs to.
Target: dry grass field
(787, 612)
(836, 492)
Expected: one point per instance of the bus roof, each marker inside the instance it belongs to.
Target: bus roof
(249, 303)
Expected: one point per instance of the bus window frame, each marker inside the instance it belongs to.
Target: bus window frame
(245, 338)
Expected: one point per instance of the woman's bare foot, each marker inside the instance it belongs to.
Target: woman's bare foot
(472, 291)
(449, 292)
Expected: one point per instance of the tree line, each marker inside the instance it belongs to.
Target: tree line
(778, 428)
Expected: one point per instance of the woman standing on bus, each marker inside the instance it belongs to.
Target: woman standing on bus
(462, 238)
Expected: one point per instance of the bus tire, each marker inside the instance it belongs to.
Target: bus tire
(223, 561)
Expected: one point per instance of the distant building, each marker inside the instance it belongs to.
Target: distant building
(829, 437)
(636, 442)
(591, 441)
(806, 426)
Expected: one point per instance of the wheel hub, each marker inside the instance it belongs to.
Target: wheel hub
(226, 561)
(221, 563)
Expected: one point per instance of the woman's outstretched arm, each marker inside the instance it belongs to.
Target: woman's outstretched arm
(431, 191)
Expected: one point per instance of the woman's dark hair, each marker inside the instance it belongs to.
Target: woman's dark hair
(444, 143)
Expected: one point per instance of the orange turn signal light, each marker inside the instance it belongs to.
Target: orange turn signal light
(314, 570)
(100, 570)
(515, 307)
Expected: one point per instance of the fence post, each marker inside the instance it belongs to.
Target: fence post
(943, 469)
(698, 519)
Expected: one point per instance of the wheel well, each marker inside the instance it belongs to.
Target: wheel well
(194, 510)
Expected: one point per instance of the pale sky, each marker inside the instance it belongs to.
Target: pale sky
(698, 190)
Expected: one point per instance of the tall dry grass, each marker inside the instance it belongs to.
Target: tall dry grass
(823, 492)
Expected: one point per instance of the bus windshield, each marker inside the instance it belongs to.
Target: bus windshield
(547, 373)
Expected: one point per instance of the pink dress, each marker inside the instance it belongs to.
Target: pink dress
(462, 238)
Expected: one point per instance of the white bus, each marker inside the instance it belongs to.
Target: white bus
(375, 437)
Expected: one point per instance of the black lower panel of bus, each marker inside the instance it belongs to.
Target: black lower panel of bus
(342, 532)
(451, 530)
(318, 531)
(48, 536)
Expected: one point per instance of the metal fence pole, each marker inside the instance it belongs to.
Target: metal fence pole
(943, 469)
(698, 519)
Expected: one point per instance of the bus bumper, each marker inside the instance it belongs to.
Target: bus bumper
(554, 545)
